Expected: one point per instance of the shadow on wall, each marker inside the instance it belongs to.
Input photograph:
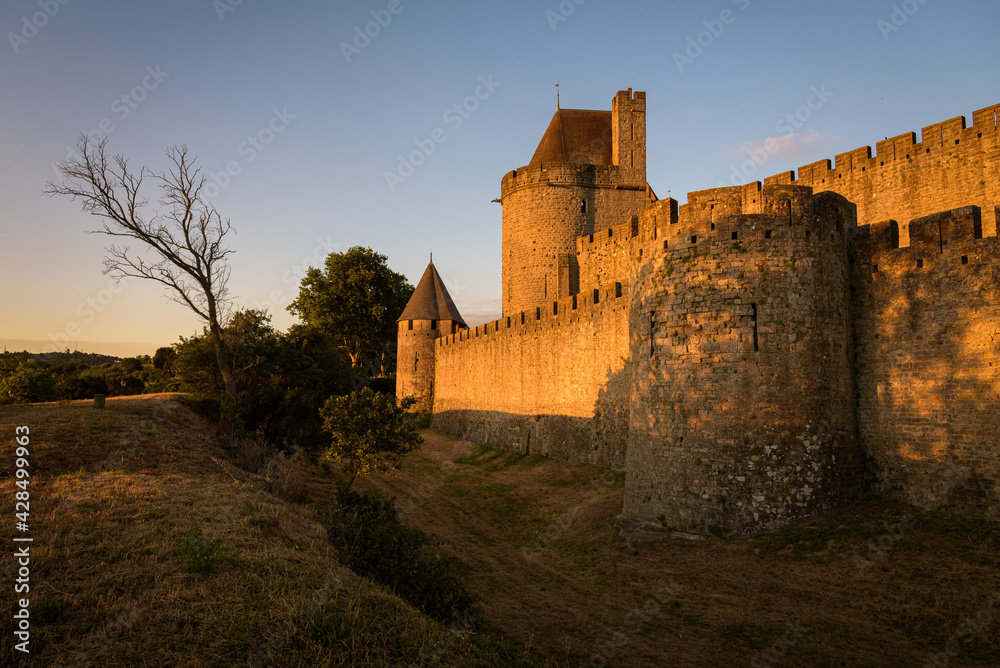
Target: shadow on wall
(599, 440)
(927, 325)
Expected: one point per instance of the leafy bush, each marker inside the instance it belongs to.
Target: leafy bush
(371, 541)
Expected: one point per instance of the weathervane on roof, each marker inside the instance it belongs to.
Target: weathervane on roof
(557, 96)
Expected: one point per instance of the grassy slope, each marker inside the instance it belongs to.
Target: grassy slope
(538, 542)
(112, 493)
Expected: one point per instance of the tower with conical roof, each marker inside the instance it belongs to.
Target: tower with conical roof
(429, 314)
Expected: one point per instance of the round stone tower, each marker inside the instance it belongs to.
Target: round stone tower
(743, 414)
(588, 174)
(429, 314)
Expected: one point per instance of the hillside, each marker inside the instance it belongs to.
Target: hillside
(118, 496)
(125, 504)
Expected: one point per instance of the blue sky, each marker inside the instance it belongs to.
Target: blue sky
(310, 127)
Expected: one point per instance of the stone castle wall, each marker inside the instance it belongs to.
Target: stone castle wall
(927, 320)
(756, 355)
(550, 380)
(951, 167)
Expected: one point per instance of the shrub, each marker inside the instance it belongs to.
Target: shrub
(371, 541)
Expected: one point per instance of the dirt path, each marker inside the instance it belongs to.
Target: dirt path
(539, 546)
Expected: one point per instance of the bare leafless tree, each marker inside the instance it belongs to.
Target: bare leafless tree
(185, 233)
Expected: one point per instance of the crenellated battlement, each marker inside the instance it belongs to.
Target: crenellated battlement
(559, 313)
(935, 138)
(949, 237)
(565, 174)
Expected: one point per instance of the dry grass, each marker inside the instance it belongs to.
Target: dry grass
(115, 497)
(541, 549)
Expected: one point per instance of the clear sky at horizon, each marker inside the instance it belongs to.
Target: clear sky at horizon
(328, 123)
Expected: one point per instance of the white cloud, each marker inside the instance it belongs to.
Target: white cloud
(795, 145)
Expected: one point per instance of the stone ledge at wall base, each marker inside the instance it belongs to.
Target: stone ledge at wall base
(573, 439)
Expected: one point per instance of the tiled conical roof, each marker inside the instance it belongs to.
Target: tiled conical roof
(430, 300)
(579, 136)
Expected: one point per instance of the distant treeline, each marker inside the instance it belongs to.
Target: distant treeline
(33, 377)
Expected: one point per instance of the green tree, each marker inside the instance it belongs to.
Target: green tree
(28, 384)
(369, 430)
(356, 299)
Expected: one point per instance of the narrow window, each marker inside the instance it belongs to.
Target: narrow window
(713, 226)
(652, 329)
(574, 302)
(618, 289)
(736, 236)
(583, 206)
(597, 296)
(409, 324)
(920, 264)
(522, 317)
(965, 259)
(555, 308)
(538, 313)
(434, 324)
(591, 238)
(789, 212)
(753, 319)
(767, 234)
(694, 238)
(664, 244)
(610, 231)
(640, 253)
(508, 322)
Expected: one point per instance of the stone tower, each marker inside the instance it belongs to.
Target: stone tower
(743, 414)
(429, 314)
(587, 175)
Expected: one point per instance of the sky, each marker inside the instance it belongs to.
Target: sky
(390, 123)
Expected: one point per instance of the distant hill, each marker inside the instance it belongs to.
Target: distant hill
(46, 360)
